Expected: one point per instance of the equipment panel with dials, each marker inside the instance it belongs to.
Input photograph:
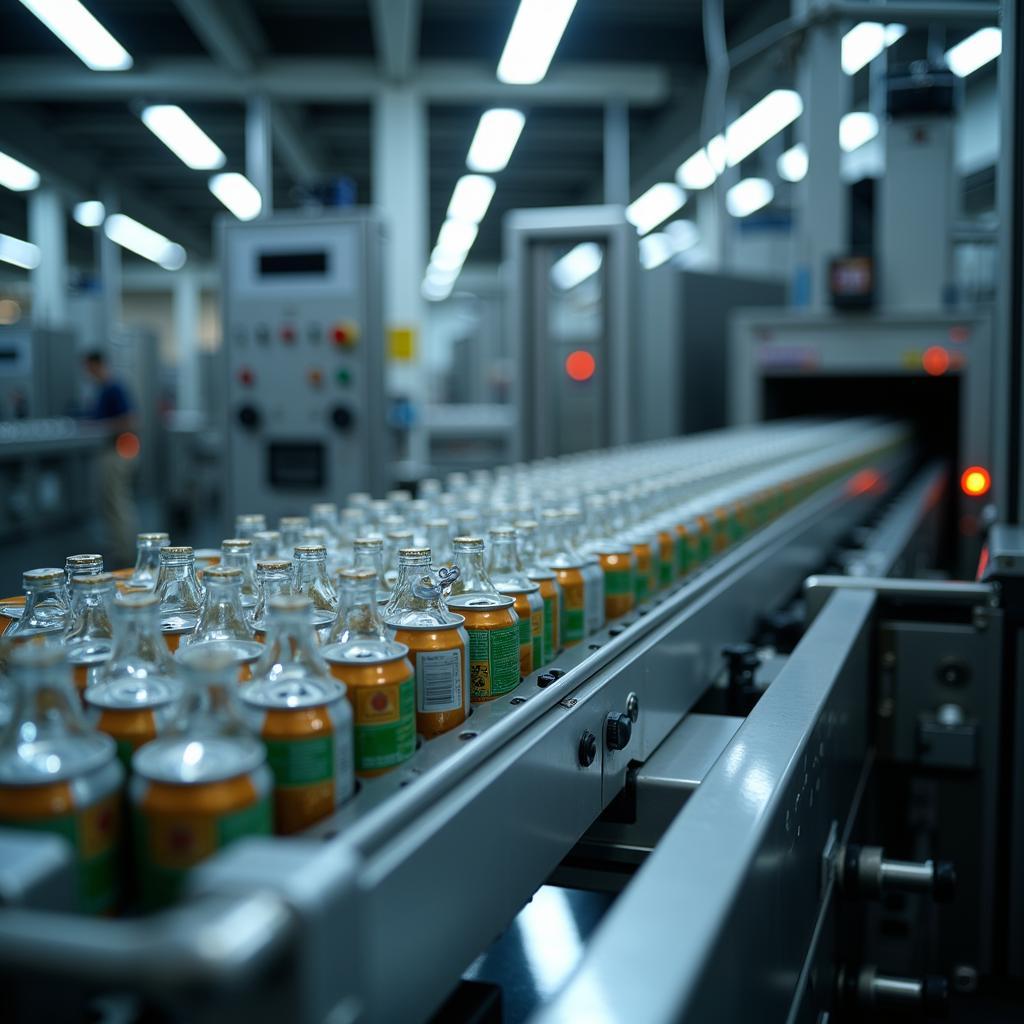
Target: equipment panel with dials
(305, 363)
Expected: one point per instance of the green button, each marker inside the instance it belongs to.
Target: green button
(344, 377)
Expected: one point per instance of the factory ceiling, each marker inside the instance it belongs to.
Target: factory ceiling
(322, 62)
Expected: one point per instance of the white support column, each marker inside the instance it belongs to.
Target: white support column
(822, 206)
(186, 336)
(259, 155)
(616, 153)
(108, 259)
(400, 191)
(47, 229)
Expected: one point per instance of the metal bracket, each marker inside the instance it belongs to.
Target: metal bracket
(818, 589)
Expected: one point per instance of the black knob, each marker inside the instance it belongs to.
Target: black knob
(249, 417)
(742, 661)
(545, 679)
(617, 731)
(944, 882)
(342, 417)
(587, 749)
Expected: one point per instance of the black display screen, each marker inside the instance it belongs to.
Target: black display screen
(9, 355)
(274, 263)
(295, 465)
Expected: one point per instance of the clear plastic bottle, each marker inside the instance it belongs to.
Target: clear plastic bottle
(358, 612)
(236, 553)
(181, 597)
(469, 560)
(368, 553)
(273, 579)
(248, 525)
(266, 544)
(439, 540)
(59, 775)
(147, 559)
(223, 621)
(292, 529)
(46, 605)
(89, 637)
(507, 574)
(135, 695)
(309, 578)
(202, 785)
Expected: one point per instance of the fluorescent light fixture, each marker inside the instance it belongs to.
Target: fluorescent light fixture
(183, 137)
(471, 197)
(655, 249)
(436, 291)
(696, 172)
(792, 165)
(579, 263)
(89, 214)
(856, 128)
(535, 34)
(975, 51)
(130, 234)
(16, 176)
(456, 236)
(717, 153)
(864, 42)
(683, 234)
(78, 30)
(238, 194)
(495, 138)
(748, 196)
(444, 260)
(657, 204)
(19, 253)
(441, 275)
(763, 121)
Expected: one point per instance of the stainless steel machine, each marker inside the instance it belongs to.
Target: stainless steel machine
(573, 325)
(303, 329)
(39, 372)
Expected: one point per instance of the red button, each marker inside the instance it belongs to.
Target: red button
(246, 377)
(340, 335)
(288, 334)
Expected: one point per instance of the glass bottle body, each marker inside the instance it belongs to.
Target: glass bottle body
(46, 608)
(147, 559)
(181, 597)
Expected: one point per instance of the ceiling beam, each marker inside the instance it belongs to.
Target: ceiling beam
(327, 80)
(396, 36)
(79, 175)
(234, 38)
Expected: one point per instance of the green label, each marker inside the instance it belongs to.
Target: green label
(525, 634)
(572, 626)
(618, 582)
(665, 572)
(549, 630)
(682, 554)
(95, 875)
(160, 846)
(493, 661)
(385, 744)
(643, 585)
(300, 762)
(125, 749)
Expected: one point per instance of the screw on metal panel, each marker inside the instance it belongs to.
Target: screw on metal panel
(467, 735)
(518, 700)
(886, 707)
(633, 706)
(889, 659)
(980, 619)
(587, 750)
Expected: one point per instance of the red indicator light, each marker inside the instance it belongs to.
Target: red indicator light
(935, 361)
(975, 481)
(580, 365)
(863, 482)
(288, 334)
(127, 445)
(246, 377)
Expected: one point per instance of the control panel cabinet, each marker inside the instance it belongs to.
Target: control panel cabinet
(303, 333)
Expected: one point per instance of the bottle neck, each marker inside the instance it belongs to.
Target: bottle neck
(222, 617)
(473, 576)
(290, 647)
(358, 617)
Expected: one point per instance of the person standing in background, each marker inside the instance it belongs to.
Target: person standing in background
(112, 411)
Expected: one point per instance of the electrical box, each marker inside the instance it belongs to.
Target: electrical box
(304, 343)
(39, 373)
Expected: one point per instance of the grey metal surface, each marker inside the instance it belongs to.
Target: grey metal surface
(291, 273)
(717, 923)
(35, 870)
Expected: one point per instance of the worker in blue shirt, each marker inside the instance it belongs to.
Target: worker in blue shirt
(112, 411)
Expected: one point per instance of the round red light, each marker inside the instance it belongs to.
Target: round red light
(580, 365)
(935, 361)
(975, 481)
(127, 445)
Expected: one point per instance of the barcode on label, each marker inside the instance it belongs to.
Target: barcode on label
(439, 680)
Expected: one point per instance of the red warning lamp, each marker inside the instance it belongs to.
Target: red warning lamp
(935, 361)
(975, 481)
(580, 365)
